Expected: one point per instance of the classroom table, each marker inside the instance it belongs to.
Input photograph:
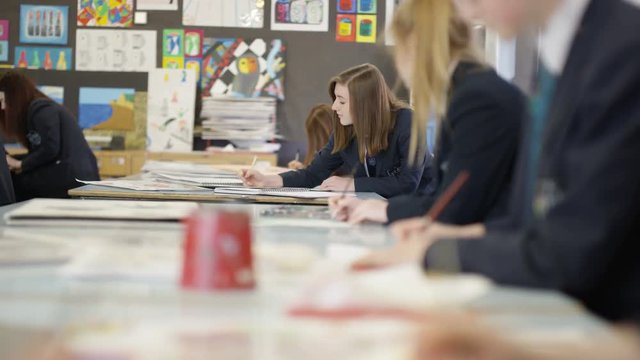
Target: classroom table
(121, 313)
(105, 192)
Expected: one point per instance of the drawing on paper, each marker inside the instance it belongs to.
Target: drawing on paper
(56, 93)
(4, 29)
(391, 6)
(368, 6)
(106, 108)
(44, 24)
(47, 58)
(300, 15)
(346, 28)
(347, 6)
(243, 68)
(182, 49)
(366, 28)
(4, 51)
(171, 109)
(115, 50)
(223, 13)
(108, 13)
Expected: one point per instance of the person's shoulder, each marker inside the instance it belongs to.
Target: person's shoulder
(403, 116)
(42, 105)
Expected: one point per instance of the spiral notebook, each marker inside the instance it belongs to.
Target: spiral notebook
(302, 193)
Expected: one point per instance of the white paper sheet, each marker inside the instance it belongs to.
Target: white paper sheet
(223, 13)
(300, 15)
(115, 50)
(157, 5)
(144, 185)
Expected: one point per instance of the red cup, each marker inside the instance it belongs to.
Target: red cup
(217, 251)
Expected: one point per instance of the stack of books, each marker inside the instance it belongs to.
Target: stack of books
(241, 121)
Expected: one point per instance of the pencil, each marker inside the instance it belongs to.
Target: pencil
(253, 163)
(448, 195)
(297, 156)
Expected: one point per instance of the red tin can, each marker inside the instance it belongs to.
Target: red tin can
(217, 251)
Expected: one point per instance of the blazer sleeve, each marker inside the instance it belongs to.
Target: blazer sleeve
(406, 181)
(321, 168)
(46, 124)
(484, 133)
(408, 206)
(571, 246)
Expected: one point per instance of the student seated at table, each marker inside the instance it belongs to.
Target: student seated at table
(370, 140)
(58, 152)
(480, 116)
(318, 127)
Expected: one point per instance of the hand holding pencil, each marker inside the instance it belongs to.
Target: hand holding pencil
(412, 246)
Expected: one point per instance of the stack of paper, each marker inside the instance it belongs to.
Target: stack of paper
(302, 193)
(117, 213)
(184, 173)
(180, 167)
(238, 119)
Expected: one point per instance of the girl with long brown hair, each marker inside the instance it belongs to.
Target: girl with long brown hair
(370, 140)
(58, 153)
(318, 127)
(479, 116)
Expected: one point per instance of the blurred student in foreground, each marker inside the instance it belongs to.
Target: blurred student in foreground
(580, 196)
(480, 115)
(58, 152)
(318, 127)
(371, 131)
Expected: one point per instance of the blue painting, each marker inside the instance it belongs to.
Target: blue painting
(106, 108)
(40, 24)
(56, 93)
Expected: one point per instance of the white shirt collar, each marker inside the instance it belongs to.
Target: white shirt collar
(557, 36)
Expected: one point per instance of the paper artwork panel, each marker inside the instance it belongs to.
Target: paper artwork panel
(391, 6)
(346, 28)
(4, 29)
(108, 13)
(44, 24)
(56, 93)
(223, 13)
(243, 68)
(347, 6)
(182, 49)
(115, 50)
(47, 58)
(157, 5)
(171, 110)
(4, 50)
(106, 108)
(368, 6)
(300, 15)
(366, 28)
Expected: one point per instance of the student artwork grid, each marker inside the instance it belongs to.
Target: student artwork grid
(4, 40)
(300, 15)
(223, 13)
(243, 68)
(108, 13)
(44, 24)
(115, 50)
(106, 108)
(182, 49)
(47, 58)
(171, 109)
(357, 21)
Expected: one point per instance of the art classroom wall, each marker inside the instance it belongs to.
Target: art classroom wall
(312, 59)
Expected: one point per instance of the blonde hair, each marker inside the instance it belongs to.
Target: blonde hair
(426, 22)
(373, 106)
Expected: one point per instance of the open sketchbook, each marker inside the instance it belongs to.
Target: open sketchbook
(83, 213)
(144, 185)
(302, 193)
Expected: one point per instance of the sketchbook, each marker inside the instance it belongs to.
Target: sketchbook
(302, 193)
(120, 213)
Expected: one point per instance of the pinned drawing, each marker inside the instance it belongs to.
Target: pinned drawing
(157, 5)
(243, 68)
(108, 13)
(368, 6)
(171, 110)
(172, 42)
(47, 58)
(346, 28)
(4, 29)
(115, 50)
(106, 108)
(41, 24)
(366, 28)
(223, 13)
(4, 51)
(347, 6)
(300, 15)
(391, 6)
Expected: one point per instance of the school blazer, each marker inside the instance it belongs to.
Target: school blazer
(58, 153)
(585, 238)
(480, 135)
(6, 185)
(392, 174)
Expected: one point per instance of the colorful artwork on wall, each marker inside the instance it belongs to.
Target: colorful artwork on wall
(300, 15)
(357, 21)
(106, 108)
(243, 67)
(223, 13)
(47, 58)
(115, 50)
(108, 13)
(41, 24)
